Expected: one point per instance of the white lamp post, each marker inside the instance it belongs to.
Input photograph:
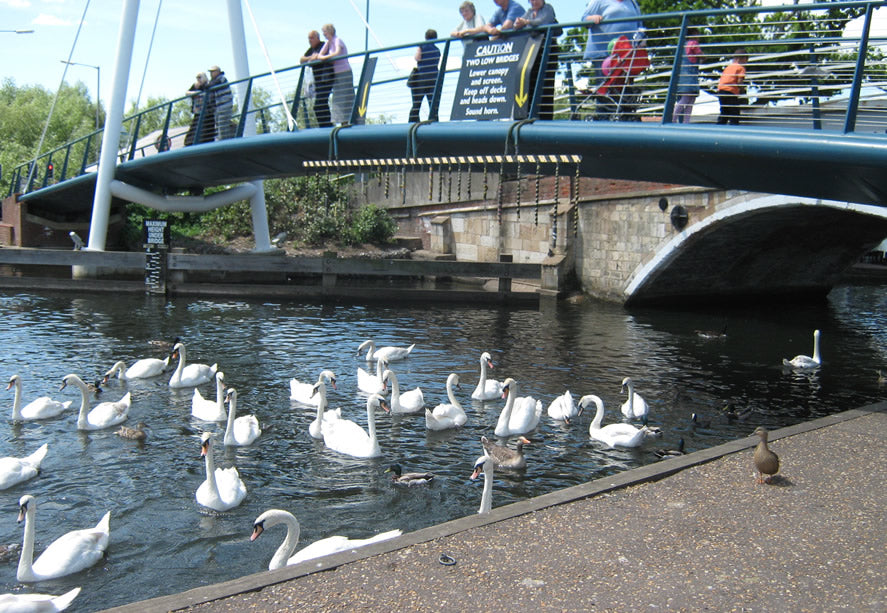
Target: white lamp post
(98, 83)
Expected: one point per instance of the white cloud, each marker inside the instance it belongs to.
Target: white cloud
(50, 20)
(16, 4)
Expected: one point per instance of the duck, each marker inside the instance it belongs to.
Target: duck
(447, 415)
(345, 436)
(372, 384)
(519, 415)
(635, 407)
(223, 489)
(699, 422)
(39, 408)
(882, 377)
(240, 431)
(314, 428)
(140, 369)
(191, 375)
(563, 408)
(766, 462)
(485, 463)
(105, 414)
(734, 414)
(670, 453)
(398, 477)
(70, 553)
(16, 470)
(210, 410)
(805, 362)
(505, 457)
(411, 401)
(136, 434)
(614, 435)
(330, 545)
(713, 334)
(304, 393)
(37, 603)
(487, 389)
(389, 354)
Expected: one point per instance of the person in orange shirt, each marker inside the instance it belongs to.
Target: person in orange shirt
(731, 88)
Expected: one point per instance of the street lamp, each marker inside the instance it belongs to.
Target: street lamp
(18, 31)
(98, 82)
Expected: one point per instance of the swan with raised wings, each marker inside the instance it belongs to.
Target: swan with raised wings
(105, 414)
(563, 408)
(411, 401)
(805, 362)
(223, 488)
(389, 354)
(189, 375)
(614, 435)
(520, 415)
(304, 393)
(140, 369)
(15, 470)
(487, 389)
(210, 410)
(635, 407)
(330, 545)
(505, 457)
(314, 428)
(485, 464)
(243, 430)
(37, 603)
(39, 408)
(345, 436)
(372, 384)
(447, 415)
(68, 554)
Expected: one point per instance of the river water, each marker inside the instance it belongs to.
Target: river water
(162, 542)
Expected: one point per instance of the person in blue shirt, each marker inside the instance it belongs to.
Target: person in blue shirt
(427, 60)
(600, 13)
(504, 17)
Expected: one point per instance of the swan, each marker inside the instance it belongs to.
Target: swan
(389, 354)
(327, 546)
(485, 463)
(303, 393)
(410, 401)
(504, 457)
(445, 416)
(635, 407)
(16, 470)
(41, 408)
(563, 408)
(805, 362)
(223, 488)
(68, 554)
(345, 436)
(372, 384)
(314, 428)
(519, 415)
(105, 414)
(398, 477)
(242, 430)
(37, 603)
(210, 410)
(614, 435)
(487, 389)
(140, 369)
(191, 375)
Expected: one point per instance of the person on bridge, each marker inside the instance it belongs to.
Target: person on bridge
(541, 13)
(504, 17)
(221, 101)
(600, 14)
(323, 80)
(343, 80)
(207, 129)
(472, 22)
(731, 88)
(424, 75)
(688, 79)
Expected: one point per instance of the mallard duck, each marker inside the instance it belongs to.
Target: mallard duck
(505, 457)
(699, 422)
(766, 462)
(399, 477)
(669, 453)
(732, 413)
(137, 434)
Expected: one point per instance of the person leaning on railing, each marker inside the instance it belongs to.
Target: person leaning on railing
(472, 21)
(334, 49)
(424, 75)
(731, 88)
(504, 17)
(221, 101)
(600, 13)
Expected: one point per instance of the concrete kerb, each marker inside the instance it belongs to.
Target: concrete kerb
(645, 474)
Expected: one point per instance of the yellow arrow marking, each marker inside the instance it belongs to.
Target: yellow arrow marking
(362, 109)
(523, 93)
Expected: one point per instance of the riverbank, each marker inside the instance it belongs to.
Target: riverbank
(690, 533)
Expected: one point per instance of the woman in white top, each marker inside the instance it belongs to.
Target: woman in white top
(472, 23)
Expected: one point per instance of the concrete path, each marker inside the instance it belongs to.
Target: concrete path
(690, 533)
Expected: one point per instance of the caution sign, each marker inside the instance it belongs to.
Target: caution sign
(494, 82)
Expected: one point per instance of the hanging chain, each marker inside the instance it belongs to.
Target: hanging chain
(486, 183)
(536, 207)
(553, 214)
(449, 183)
(430, 182)
(575, 206)
(459, 181)
(518, 195)
(403, 185)
(499, 191)
(387, 181)
(440, 180)
(468, 184)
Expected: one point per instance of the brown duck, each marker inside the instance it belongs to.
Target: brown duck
(137, 434)
(766, 462)
(505, 457)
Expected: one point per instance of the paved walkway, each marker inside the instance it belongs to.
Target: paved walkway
(690, 533)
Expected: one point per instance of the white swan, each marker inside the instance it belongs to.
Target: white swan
(40, 408)
(140, 369)
(345, 436)
(223, 488)
(16, 470)
(243, 430)
(563, 408)
(411, 401)
(372, 384)
(487, 389)
(519, 415)
(105, 414)
(303, 393)
(635, 407)
(190, 375)
(68, 554)
(389, 354)
(805, 362)
(37, 603)
(319, 388)
(614, 435)
(445, 416)
(327, 546)
(485, 463)
(210, 410)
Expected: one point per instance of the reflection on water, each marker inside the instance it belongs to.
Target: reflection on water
(161, 542)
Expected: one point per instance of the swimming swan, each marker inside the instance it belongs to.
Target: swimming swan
(303, 393)
(319, 388)
(805, 362)
(223, 489)
(445, 416)
(68, 554)
(40, 408)
(37, 603)
(191, 375)
(140, 369)
(635, 407)
(519, 415)
(485, 463)
(411, 401)
(563, 408)
(16, 470)
(324, 547)
(105, 414)
(372, 384)
(243, 430)
(614, 435)
(389, 354)
(345, 436)
(210, 410)
(487, 389)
